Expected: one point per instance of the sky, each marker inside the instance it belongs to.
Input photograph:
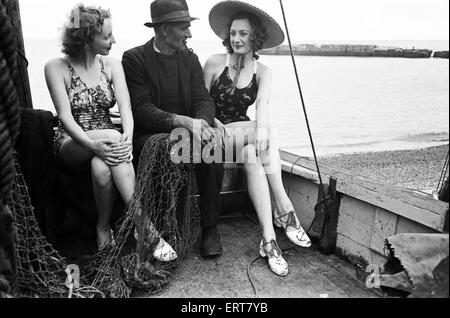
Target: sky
(309, 21)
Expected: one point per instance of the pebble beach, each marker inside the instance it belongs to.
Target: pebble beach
(418, 169)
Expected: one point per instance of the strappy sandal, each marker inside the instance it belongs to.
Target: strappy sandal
(277, 263)
(296, 234)
(164, 252)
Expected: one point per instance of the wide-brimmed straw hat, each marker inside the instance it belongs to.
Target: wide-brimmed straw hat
(221, 14)
(163, 11)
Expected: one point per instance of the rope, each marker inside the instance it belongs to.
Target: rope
(9, 103)
(250, 277)
(9, 108)
(9, 130)
(302, 100)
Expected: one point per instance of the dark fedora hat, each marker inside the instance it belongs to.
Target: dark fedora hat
(163, 11)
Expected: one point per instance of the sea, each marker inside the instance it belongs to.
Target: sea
(353, 104)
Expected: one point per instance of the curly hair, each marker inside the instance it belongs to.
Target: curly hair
(258, 37)
(82, 26)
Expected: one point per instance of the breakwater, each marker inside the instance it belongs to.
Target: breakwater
(441, 54)
(348, 50)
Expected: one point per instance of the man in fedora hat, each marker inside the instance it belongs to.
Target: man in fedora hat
(167, 90)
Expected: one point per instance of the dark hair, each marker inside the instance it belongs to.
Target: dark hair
(258, 37)
(84, 23)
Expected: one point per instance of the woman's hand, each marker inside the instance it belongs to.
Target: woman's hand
(262, 141)
(223, 132)
(105, 149)
(127, 140)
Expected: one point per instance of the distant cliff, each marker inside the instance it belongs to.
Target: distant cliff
(348, 50)
(441, 54)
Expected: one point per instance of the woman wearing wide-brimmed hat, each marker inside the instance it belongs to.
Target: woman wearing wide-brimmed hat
(236, 81)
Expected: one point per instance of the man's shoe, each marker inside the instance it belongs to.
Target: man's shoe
(211, 242)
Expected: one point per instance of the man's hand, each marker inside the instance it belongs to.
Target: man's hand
(222, 128)
(204, 133)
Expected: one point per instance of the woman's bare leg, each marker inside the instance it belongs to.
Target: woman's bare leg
(125, 179)
(105, 178)
(259, 192)
(272, 165)
(242, 135)
(105, 196)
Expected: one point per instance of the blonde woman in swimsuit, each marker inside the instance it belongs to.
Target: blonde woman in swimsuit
(84, 86)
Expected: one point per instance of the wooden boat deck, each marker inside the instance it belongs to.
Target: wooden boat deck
(312, 274)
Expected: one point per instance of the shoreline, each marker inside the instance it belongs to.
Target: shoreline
(355, 50)
(415, 169)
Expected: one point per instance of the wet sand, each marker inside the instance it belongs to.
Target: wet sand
(418, 169)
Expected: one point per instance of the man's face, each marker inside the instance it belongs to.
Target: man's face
(177, 35)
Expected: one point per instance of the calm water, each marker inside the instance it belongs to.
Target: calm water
(353, 104)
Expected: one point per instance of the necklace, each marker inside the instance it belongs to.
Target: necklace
(239, 65)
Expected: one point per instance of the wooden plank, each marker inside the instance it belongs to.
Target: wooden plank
(303, 208)
(300, 171)
(425, 217)
(354, 229)
(384, 226)
(408, 226)
(303, 194)
(357, 253)
(420, 200)
(358, 209)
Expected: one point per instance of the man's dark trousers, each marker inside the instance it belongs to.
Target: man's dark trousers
(210, 178)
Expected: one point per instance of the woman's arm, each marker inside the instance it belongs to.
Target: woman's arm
(122, 97)
(264, 76)
(210, 70)
(54, 76)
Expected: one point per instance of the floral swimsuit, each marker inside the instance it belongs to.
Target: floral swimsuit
(232, 108)
(90, 106)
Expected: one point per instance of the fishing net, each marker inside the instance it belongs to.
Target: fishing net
(164, 205)
(40, 268)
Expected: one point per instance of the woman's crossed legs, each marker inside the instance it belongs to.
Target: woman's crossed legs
(107, 179)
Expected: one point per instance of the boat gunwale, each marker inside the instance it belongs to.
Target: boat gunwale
(416, 206)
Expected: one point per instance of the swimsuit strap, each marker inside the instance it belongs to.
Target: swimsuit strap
(71, 69)
(103, 70)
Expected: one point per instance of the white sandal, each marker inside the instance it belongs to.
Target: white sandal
(164, 252)
(277, 263)
(294, 231)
